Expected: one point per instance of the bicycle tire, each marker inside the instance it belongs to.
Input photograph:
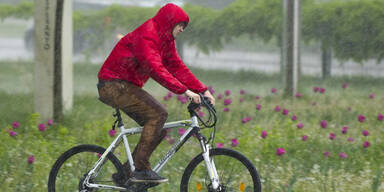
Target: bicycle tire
(217, 152)
(75, 151)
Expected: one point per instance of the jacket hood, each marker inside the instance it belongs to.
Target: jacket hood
(168, 16)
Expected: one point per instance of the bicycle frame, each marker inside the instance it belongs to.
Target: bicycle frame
(193, 129)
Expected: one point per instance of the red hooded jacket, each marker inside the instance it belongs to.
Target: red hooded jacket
(150, 51)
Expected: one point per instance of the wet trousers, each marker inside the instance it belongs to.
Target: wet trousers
(141, 107)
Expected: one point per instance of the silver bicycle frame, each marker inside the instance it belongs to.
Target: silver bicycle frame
(192, 123)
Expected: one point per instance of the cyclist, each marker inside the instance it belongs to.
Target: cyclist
(148, 52)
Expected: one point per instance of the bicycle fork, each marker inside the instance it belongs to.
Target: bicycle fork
(209, 163)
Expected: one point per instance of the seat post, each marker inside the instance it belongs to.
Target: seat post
(119, 119)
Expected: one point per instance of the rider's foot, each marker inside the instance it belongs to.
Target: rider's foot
(147, 176)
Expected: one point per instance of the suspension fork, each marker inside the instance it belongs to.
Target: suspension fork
(209, 163)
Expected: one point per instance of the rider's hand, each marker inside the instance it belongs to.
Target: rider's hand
(210, 97)
(195, 97)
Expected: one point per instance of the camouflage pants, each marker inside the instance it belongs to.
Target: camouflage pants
(141, 107)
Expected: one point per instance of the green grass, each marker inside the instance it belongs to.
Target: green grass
(302, 168)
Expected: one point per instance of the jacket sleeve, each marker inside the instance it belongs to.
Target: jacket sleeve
(147, 54)
(176, 66)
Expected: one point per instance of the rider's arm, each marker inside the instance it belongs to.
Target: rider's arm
(178, 69)
(147, 53)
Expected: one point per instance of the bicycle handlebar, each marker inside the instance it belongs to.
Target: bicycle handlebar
(208, 105)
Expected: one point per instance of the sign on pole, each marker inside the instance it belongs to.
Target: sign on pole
(53, 58)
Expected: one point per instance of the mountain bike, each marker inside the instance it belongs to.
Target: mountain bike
(88, 168)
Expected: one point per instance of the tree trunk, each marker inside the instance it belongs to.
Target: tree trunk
(292, 51)
(326, 61)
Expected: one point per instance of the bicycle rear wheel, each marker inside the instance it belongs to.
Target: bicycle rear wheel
(71, 167)
(236, 173)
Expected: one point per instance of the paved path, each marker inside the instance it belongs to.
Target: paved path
(13, 49)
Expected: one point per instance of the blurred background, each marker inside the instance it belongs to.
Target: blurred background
(335, 41)
(236, 48)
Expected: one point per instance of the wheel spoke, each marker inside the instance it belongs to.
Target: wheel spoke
(72, 167)
(236, 173)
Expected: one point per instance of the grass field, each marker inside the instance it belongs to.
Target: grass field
(315, 158)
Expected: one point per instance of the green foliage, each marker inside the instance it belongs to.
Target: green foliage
(352, 29)
(23, 10)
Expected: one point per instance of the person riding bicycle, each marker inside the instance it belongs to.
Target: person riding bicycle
(148, 52)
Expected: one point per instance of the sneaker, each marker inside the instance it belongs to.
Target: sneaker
(147, 176)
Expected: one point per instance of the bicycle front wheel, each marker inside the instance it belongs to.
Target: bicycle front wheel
(235, 171)
(69, 170)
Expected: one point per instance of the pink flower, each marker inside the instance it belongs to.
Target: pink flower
(219, 145)
(371, 95)
(322, 90)
(361, 118)
(166, 98)
(180, 97)
(235, 142)
(12, 133)
(366, 144)
(210, 88)
(50, 122)
(280, 151)
(98, 155)
(304, 137)
(112, 132)
(258, 107)
(332, 136)
(285, 112)
(273, 90)
(351, 139)
(300, 125)
(227, 92)
(365, 132)
(326, 154)
(171, 140)
(170, 94)
(242, 92)
(226, 109)
(42, 127)
(298, 95)
(380, 117)
(343, 155)
(324, 124)
(201, 114)
(277, 108)
(227, 101)
(315, 89)
(31, 159)
(241, 100)
(181, 131)
(15, 124)
(294, 118)
(344, 85)
(257, 97)
(264, 134)
(220, 96)
(245, 119)
(344, 130)
(184, 100)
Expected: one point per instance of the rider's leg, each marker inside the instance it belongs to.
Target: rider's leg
(146, 111)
